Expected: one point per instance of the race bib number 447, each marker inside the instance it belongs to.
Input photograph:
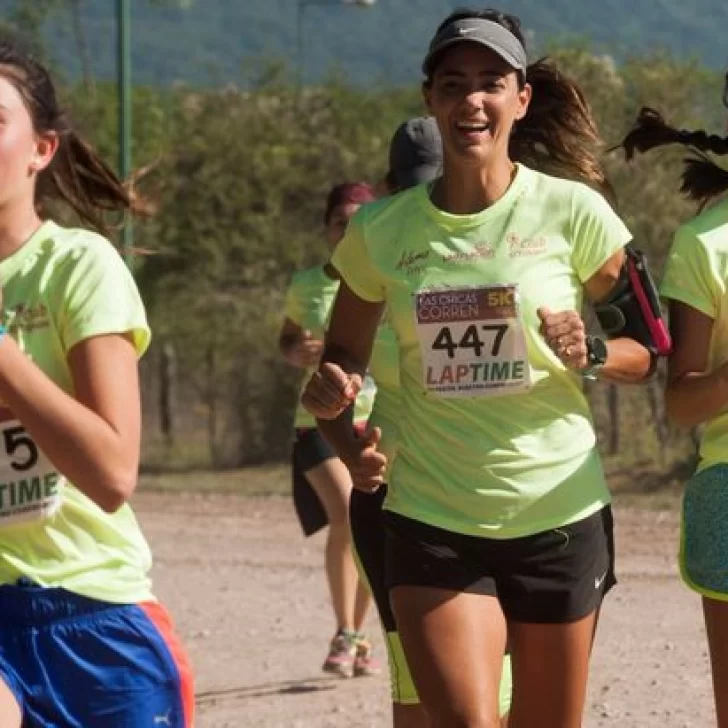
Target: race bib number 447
(472, 341)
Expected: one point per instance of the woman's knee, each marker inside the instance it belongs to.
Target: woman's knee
(473, 710)
(476, 717)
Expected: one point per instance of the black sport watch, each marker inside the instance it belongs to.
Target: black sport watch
(596, 353)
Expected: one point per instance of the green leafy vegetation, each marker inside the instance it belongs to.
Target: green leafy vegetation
(240, 172)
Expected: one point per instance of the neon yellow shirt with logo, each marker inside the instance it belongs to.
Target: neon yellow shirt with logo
(62, 287)
(309, 301)
(696, 274)
(495, 436)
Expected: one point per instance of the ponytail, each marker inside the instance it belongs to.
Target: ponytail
(558, 135)
(81, 179)
(76, 175)
(702, 179)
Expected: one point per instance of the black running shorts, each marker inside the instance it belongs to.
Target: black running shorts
(309, 450)
(367, 531)
(556, 576)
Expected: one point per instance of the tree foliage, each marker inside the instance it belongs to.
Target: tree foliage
(240, 178)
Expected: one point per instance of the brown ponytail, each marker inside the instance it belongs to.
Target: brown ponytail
(77, 175)
(558, 135)
(81, 179)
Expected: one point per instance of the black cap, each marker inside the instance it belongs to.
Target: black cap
(484, 32)
(415, 153)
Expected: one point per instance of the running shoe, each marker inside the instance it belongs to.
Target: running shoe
(364, 662)
(342, 654)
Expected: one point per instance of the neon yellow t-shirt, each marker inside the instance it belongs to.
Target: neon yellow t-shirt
(309, 301)
(62, 287)
(697, 274)
(384, 369)
(495, 435)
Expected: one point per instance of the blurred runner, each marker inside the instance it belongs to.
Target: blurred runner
(321, 483)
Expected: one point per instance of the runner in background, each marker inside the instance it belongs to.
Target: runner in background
(497, 516)
(415, 157)
(321, 482)
(695, 282)
(83, 641)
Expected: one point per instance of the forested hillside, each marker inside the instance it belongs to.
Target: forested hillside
(215, 41)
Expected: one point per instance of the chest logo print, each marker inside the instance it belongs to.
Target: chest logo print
(412, 262)
(519, 247)
(26, 318)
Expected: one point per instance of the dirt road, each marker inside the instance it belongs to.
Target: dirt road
(248, 595)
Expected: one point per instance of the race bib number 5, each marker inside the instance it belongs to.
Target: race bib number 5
(472, 342)
(30, 487)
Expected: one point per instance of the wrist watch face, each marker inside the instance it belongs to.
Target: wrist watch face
(597, 349)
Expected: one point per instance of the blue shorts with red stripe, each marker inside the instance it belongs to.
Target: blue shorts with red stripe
(75, 662)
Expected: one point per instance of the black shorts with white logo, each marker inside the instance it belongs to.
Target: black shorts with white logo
(553, 577)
